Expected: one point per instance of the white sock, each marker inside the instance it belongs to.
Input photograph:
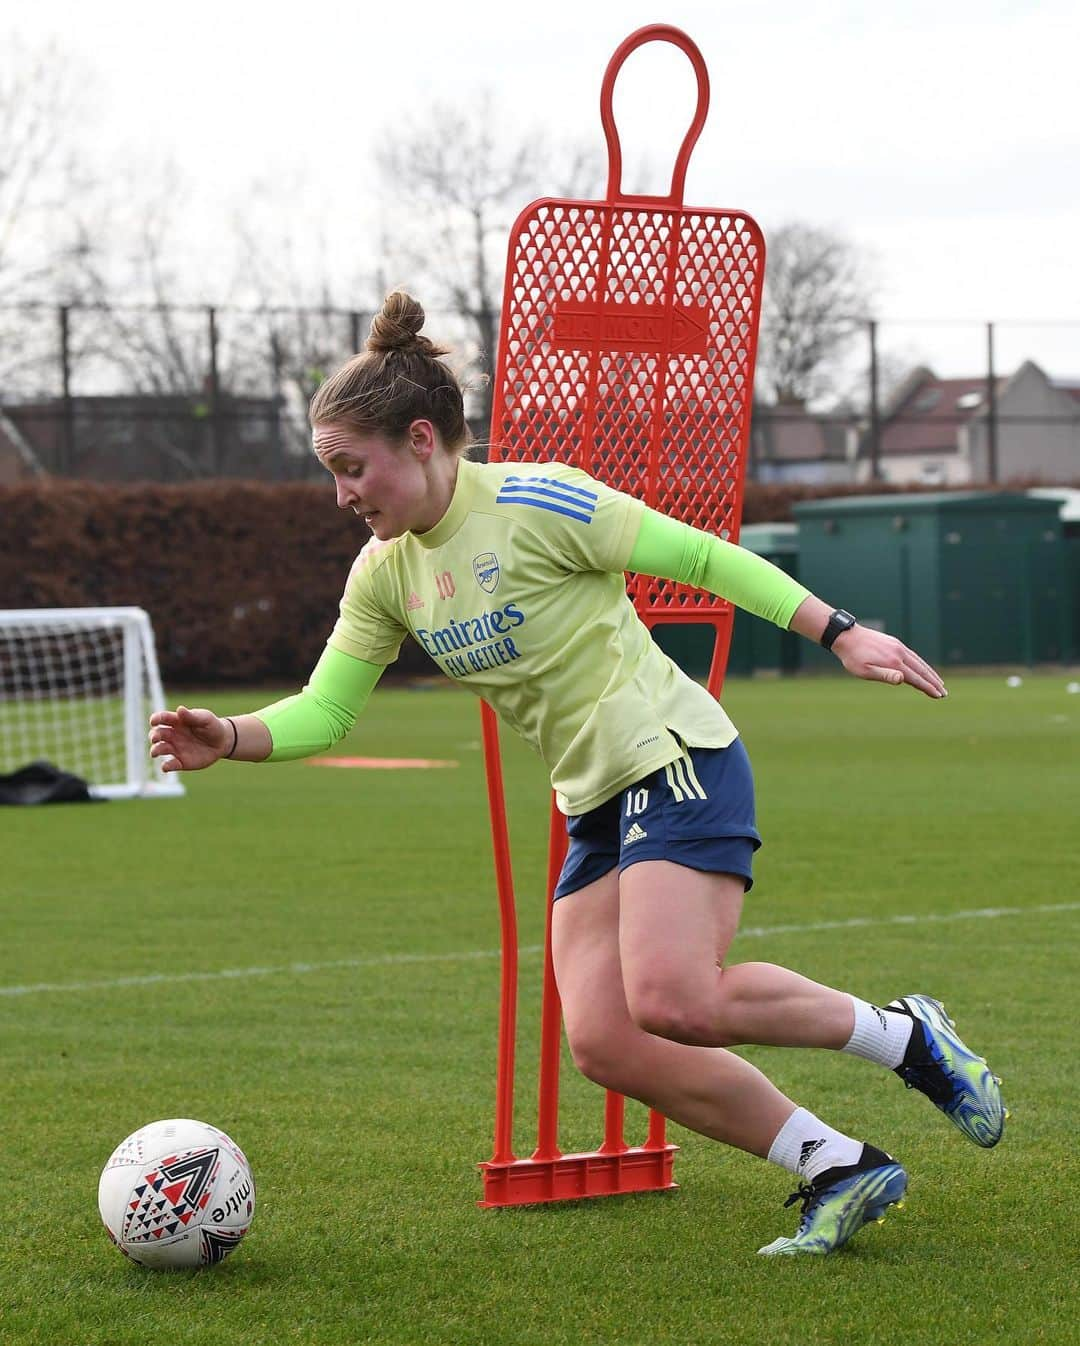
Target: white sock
(807, 1147)
(879, 1035)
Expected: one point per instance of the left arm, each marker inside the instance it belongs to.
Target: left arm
(672, 550)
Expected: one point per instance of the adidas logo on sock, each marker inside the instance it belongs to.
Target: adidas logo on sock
(634, 832)
(809, 1147)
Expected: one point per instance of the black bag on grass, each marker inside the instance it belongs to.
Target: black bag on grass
(43, 783)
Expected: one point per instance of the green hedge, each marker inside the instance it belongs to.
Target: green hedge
(241, 579)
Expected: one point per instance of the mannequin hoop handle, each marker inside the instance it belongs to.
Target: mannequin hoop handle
(655, 32)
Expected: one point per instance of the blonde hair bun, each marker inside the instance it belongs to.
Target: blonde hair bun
(396, 327)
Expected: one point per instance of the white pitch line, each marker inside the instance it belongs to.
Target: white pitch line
(238, 973)
(393, 959)
(919, 918)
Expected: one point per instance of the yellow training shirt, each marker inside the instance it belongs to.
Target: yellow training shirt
(518, 592)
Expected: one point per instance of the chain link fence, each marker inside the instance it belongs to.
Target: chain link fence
(182, 392)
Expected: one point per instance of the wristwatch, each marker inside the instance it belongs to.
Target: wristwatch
(838, 623)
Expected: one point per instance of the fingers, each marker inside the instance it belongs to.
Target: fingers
(922, 677)
(930, 678)
(167, 730)
(185, 739)
(195, 719)
(893, 676)
(919, 674)
(161, 732)
(910, 672)
(883, 658)
(164, 748)
(183, 715)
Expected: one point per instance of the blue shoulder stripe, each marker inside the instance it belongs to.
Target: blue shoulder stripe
(550, 492)
(566, 486)
(545, 498)
(555, 509)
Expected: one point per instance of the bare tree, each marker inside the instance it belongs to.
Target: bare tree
(43, 185)
(817, 295)
(453, 184)
(132, 333)
(133, 321)
(304, 319)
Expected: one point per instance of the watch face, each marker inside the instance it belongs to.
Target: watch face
(839, 622)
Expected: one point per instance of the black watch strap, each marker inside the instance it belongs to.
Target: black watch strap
(838, 623)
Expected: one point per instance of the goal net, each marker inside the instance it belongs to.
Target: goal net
(77, 686)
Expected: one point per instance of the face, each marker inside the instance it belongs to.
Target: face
(383, 483)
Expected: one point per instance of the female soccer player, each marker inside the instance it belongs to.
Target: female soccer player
(510, 576)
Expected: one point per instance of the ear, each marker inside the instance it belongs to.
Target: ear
(423, 439)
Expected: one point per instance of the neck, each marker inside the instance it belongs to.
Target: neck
(441, 471)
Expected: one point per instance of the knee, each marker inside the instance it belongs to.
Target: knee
(605, 1058)
(678, 1015)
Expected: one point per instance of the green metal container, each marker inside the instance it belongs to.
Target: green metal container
(1072, 557)
(964, 577)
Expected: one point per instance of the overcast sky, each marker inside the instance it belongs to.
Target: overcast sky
(943, 136)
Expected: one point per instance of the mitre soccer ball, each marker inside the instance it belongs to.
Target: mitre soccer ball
(177, 1194)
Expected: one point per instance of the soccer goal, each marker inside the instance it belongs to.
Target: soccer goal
(77, 686)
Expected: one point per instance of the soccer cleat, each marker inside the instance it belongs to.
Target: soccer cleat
(952, 1077)
(840, 1201)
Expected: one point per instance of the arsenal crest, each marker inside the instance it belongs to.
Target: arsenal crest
(486, 569)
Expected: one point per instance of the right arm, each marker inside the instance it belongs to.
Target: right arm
(302, 725)
(299, 726)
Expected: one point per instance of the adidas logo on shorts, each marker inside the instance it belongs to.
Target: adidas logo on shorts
(635, 832)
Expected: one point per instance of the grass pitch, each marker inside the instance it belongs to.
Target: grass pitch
(308, 958)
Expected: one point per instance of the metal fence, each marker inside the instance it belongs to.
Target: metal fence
(173, 392)
(176, 392)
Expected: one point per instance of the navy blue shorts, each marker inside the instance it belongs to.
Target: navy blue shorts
(698, 812)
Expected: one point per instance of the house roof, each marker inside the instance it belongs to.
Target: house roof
(792, 434)
(924, 417)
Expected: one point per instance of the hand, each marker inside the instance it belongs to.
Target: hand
(882, 658)
(188, 740)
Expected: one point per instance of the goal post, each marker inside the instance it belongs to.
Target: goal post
(77, 686)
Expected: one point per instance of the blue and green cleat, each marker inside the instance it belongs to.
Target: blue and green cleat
(840, 1201)
(952, 1077)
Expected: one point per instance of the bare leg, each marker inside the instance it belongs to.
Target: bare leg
(675, 927)
(643, 990)
(707, 1089)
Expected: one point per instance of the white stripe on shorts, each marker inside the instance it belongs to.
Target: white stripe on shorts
(673, 785)
(688, 762)
(682, 779)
